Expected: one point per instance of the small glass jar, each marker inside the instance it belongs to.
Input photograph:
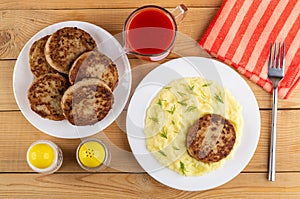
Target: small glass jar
(44, 156)
(92, 154)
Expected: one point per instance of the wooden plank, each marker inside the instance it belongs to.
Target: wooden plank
(288, 140)
(139, 70)
(19, 134)
(76, 4)
(18, 26)
(7, 99)
(245, 185)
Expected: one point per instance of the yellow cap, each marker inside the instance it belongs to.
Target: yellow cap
(91, 154)
(41, 156)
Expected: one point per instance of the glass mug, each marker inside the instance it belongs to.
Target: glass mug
(150, 31)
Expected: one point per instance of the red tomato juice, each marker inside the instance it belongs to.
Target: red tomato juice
(150, 31)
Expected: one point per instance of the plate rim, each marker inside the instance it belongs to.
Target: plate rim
(49, 30)
(157, 174)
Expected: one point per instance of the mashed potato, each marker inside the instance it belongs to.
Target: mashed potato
(175, 108)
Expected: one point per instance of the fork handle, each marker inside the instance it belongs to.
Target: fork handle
(272, 158)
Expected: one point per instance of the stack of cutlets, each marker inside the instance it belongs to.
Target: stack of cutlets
(73, 80)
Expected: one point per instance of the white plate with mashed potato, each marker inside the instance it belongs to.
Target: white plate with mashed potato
(23, 77)
(166, 104)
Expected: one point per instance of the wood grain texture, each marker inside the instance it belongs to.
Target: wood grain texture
(75, 4)
(19, 135)
(18, 26)
(245, 185)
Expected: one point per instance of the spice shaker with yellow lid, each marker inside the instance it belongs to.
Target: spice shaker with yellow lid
(44, 156)
(92, 154)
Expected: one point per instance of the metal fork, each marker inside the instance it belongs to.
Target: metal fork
(275, 74)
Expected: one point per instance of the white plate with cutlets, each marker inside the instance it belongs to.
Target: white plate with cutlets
(208, 69)
(23, 77)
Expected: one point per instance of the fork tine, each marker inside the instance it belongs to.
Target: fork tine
(274, 57)
(270, 56)
(278, 56)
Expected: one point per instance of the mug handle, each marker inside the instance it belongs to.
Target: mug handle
(179, 13)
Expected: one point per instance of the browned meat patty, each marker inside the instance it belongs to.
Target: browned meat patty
(65, 45)
(45, 95)
(37, 60)
(87, 102)
(211, 138)
(94, 64)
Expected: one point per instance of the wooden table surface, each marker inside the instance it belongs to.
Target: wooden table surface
(21, 19)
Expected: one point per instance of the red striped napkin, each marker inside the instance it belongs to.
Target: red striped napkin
(241, 32)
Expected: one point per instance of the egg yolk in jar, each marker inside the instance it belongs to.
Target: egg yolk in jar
(41, 156)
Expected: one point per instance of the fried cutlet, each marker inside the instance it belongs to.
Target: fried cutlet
(211, 138)
(38, 64)
(87, 102)
(94, 64)
(65, 45)
(45, 95)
